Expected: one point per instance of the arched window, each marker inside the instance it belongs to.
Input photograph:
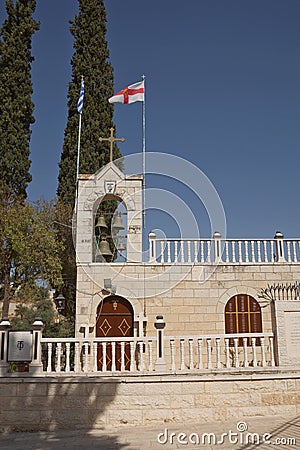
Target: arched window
(242, 315)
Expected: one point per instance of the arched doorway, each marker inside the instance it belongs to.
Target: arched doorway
(242, 315)
(114, 319)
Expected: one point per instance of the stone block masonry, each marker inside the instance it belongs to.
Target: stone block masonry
(49, 403)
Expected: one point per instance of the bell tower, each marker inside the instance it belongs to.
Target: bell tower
(101, 237)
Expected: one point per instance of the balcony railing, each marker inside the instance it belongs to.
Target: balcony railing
(224, 251)
(200, 353)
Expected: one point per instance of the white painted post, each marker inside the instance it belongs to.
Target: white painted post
(279, 246)
(113, 356)
(217, 246)
(95, 355)
(160, 361)
(152, 247)
(5, 326)
(36, 366)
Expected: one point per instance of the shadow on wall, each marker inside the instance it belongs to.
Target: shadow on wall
(53, 404)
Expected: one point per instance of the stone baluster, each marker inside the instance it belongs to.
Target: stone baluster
(240, 256)
(217, 246)
(252, 245)
(169, 251)
(233, 251)
(236, 352)
(226, 251)
(246, 251)
(77, 358)
(258, 252)
(195, 251)
(58, 357)
(113, 356)
(176, 252)
(200, 356)
(68, 347)
(131, 356)
(246, 363)
(182, 251)
(265, 251)
(208, 243)
(254, 352)
(272, 351)
(202, 251)
(150, 348)
(191, 355)
(172, 351)
(141, 354)
(294, 251)
(189, 256)
(49, 364)
(122, 356)
(209, 360)
(263, 352)
(162, 250)
(218, 349)
(104, 367)
(182, 366)
(227, 353)
(86, 357)
(95, 355)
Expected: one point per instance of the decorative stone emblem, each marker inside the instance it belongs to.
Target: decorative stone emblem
(109, 186)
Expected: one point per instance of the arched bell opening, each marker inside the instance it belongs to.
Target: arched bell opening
(110, 230)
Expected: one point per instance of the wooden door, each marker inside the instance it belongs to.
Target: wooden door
(114, 319)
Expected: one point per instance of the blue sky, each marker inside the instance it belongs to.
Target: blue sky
(222, 91)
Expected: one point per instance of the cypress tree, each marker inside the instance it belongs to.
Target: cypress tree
(16, 107)
(91, 60)
(16, 117)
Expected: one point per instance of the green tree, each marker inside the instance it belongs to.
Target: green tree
(16, 107)
(91, 60)
(41, 306)
(28, 231)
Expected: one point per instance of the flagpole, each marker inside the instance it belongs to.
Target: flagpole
(144, 153)
(79, 109)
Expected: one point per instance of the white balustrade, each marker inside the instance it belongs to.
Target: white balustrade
(184, 353)
(224, 251)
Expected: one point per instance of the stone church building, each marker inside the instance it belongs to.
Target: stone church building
(203, 287)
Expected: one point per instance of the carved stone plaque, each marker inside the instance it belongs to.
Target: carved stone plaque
(19, 346)
(292, 323)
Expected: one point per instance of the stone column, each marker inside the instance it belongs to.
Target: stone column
(36, 366)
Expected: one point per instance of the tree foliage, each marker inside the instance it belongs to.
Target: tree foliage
(41, 306)
(91, 60)
(29, 250)
(16, 107)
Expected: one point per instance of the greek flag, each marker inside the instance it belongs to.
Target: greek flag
(80, 100)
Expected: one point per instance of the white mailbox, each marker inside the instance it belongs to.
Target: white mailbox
(19, 346)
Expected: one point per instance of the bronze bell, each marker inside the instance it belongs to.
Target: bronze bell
(121, 244)
(101, 222)
(117, 223)
(104, 248)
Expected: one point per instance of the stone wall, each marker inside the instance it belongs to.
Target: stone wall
(47, 403)
(191, 298)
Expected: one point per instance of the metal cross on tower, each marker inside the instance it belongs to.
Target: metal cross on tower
(111, 139)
